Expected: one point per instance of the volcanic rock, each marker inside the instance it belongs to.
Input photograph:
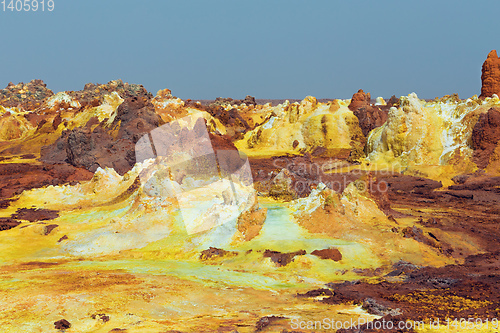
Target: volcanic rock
(93, 94)
(375, 308)
(316, 293)
(62, 324)
(418, 235)
(393, 101)
(485, 137)
(235, 124)
(93, 146)
(332, 254)
(35, 214)
(17, 177)
(266, 321)
(213, 252)
(136, 117)
(282, 259)
(370, 116)
(490, 76)
(26, 96)
(359, 99)
(7, 223)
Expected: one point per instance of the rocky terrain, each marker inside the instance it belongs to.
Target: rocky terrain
(124, 211)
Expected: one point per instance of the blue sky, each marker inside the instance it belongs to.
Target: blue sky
(202, 49)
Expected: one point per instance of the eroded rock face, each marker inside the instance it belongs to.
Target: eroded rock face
(370, 116)
(485, 136)
(136, 117)
(235, 124)
(359, 99)
(95, 146)
(17, 177)
(27, 96)
(93, 93)
(490, 76)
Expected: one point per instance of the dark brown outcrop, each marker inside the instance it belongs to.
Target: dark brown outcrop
(485, 137)
(282, 259)
(331, 253)
(93, 93)
(7, 223)
(17, 177)
(92, 146)
(370, 116)
(28, 96)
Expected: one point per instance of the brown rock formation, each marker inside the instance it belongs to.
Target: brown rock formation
(235, 124)
(93, 94)
(35, 214)
(282, 259)
(490, 76)
(213, 252)
(17, 177)
(62, 324)
(27, 96)
(93, 146)
(332, 254)
(370, 116)
(485, 137)
(7, 223)
(359, 99)
(393, 101)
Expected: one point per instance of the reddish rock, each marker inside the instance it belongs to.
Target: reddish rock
(65, 237)
(282, 259)
(91, 147)
(235, 124)
(7, 223)
(490, 76)
(93, 94)
(48, 228)
(17, 177)
(213, 252)
(369, 116)
(393, 101)
(332, 254)
(485, 137)
(27, 96)
(62, 324)
(35, 214)
(359, 99)
(136, 116)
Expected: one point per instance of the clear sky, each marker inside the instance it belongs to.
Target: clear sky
(202, 49)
